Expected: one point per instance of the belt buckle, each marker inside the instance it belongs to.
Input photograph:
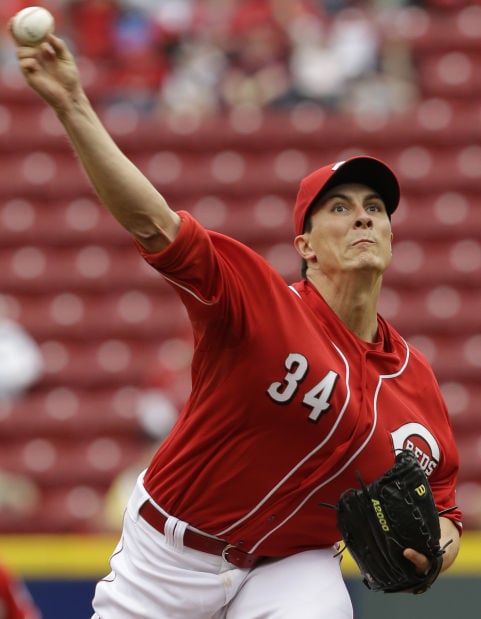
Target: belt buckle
(225, 552)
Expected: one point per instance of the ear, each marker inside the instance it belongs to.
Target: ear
(302, 243)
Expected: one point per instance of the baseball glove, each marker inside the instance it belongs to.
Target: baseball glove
(381, 519)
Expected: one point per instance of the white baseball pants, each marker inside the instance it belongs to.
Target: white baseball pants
(155, 577)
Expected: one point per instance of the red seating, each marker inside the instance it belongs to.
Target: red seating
(468, 496)
(88, 268)
(463, 399)
(419, 264)
(71, 461)
(470, 457)
(432, 309)
(450, 74)
(67, 412)
(109, 314)
(443, 30)
(58, 223)
(453, 357)
(75, 509)
(108, 363)
(438, 215)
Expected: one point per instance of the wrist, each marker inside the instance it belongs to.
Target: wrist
(76, 104)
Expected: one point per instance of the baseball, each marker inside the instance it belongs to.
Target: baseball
(30, 26)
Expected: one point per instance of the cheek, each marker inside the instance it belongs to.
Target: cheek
(388, 249)
(388, 259)
(322, 244)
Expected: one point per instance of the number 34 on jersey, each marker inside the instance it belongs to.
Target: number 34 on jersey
(318, 399)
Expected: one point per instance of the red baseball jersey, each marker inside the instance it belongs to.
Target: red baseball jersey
(286, 404)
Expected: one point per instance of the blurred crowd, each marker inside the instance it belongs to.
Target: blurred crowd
(21, 367)
(209, 55)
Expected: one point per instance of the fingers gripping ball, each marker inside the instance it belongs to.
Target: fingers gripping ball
(30, 26)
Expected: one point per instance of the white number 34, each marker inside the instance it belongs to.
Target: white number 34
(317, 398)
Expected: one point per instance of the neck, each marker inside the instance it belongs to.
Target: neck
(354, 302)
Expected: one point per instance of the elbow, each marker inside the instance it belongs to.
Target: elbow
(154, 237)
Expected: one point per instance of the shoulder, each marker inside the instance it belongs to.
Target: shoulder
(398, 343)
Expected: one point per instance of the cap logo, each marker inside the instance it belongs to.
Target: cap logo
(337, 165)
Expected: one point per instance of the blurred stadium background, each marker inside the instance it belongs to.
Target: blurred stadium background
(225, 105)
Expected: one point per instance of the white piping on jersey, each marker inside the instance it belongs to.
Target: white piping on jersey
(202, 300)
(305, 459)
(188, 290)
(348, 462)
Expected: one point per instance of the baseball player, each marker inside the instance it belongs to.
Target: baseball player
(294, 389)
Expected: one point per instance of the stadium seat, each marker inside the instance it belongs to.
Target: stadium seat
(70, 460)
(469, 448)
(456, 26)
(463, 399)
(450, 74)
(75, 509)
(58, 223)
(437, 216)
(66, 412)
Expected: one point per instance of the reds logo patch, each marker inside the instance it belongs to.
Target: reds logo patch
(419, 439)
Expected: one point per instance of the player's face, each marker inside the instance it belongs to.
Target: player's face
(351, 231)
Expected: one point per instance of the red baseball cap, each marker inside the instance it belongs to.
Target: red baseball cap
(366, 170)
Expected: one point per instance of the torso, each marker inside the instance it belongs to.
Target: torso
(287, 404)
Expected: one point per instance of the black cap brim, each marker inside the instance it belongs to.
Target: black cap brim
(371, 172)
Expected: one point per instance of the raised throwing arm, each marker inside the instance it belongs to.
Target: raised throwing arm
(51, 71)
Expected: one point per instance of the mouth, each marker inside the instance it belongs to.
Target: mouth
(362, 242)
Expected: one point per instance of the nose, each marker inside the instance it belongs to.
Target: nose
(363, 221)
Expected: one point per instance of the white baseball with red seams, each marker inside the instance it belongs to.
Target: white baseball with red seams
(31, 25)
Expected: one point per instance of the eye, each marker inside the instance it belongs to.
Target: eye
(376, 207)
(339, 207)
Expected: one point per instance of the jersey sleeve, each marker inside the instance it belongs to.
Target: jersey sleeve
(221, 281)
(189, 262)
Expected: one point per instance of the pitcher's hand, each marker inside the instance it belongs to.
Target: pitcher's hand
(50, 70)
(420, 561)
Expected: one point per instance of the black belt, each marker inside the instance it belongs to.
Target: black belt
(197, 541)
